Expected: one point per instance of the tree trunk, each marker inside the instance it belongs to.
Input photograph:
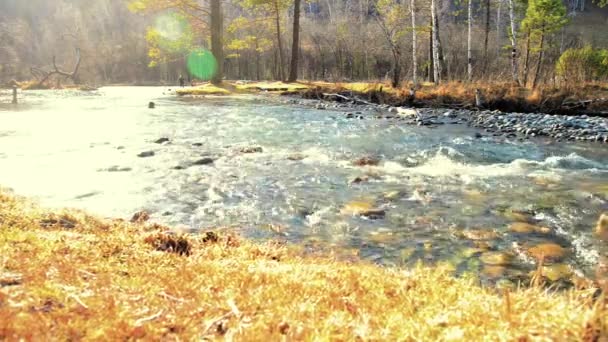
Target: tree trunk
(216, 40)
(414, 43)
(469, 47)
(539, 63)
(279, 42)
(526, 59)
(487, 36)
(437, 67)
(396, 68)
(295, 47)
(514, 62)
(430, 69)
(498, 23)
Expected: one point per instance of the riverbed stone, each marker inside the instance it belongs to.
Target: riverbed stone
(549, 252)
(146, 154)
(478, 234)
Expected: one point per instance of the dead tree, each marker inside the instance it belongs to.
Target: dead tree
(43, 75)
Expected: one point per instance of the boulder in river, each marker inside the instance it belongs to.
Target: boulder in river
(151, 105)
(162, 140)
(601, 228)
(146, 154)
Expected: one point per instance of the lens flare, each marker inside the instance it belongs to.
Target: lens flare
(202, 64)
(171, 26)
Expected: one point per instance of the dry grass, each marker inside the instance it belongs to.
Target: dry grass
(71, 276)
(235, 87)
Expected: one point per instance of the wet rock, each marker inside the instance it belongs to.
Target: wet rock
(197, 144)
(526, 228)
(252, 149)
(296, 157)
(359, 179)
(496, 258)
(146, 154)
(151, 105)
(161, 140)
(601, 229)
(140, 217)
(366, 161)
(203, 161)
(549, 252)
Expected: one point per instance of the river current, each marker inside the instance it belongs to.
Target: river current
(445, 193)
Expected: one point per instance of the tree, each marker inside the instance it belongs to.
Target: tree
(469, 45)
(295, 49)
(200, 17)
(513, 36)
(543, 17)
(216, 40)
(436, 45)
(414, 43)
(391, 19)
(274, 7)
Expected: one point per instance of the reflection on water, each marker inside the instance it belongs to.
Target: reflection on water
(443, 194)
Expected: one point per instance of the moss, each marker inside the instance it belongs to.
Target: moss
(106, 279)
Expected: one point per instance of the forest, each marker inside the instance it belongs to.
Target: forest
(139, 42)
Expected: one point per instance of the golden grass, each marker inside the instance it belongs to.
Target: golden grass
(70, 276)
(205, 89)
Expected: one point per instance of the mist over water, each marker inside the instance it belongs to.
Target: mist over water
(77, 149)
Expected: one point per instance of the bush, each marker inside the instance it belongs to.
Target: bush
(583, 65)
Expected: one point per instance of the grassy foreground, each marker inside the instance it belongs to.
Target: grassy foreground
(68, 275)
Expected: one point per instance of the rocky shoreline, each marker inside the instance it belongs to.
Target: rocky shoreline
(512, 125)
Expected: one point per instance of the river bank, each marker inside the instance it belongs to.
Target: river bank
(69, 275)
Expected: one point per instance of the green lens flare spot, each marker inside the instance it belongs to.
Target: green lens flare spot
(202, 64)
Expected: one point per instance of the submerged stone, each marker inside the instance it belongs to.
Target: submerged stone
(496, 258)
(550, 252)
(493, 271)
(526, 228)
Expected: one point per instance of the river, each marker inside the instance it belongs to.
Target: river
(435, 185)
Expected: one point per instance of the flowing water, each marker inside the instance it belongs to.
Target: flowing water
(439, 187)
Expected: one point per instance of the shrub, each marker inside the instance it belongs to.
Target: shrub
(583, 65)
